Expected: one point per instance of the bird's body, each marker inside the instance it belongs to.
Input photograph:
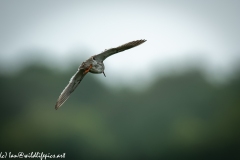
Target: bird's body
(94, 65)
(97, 67)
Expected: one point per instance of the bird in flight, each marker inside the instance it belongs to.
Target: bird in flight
(94, 65)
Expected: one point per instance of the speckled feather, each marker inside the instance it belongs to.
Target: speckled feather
(102, 56)
(94, 65)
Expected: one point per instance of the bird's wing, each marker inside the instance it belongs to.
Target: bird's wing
(102, 56)
(72, 85)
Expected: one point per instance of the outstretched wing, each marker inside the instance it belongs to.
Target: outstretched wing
(102, 56)
(72, 85)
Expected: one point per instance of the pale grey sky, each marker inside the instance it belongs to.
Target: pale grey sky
(179, 33)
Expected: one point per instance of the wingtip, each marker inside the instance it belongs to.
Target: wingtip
(56, 106)
(142, 41)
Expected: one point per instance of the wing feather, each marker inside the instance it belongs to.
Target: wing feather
(72, 85)
(102, 56)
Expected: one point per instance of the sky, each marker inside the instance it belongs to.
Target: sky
(180, 34)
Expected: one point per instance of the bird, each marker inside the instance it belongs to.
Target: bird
(93, 65)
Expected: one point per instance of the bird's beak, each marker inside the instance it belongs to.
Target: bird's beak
(104, 73)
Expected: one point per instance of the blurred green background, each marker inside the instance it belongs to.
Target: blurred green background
(177, 96)
(178, 117)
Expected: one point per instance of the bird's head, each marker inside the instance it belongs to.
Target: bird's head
(94, 58)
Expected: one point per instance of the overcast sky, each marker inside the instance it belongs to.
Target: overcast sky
(179, 33)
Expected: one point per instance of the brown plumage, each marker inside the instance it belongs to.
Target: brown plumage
(94, 65)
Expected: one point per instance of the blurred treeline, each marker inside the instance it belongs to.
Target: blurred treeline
(178, 117)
